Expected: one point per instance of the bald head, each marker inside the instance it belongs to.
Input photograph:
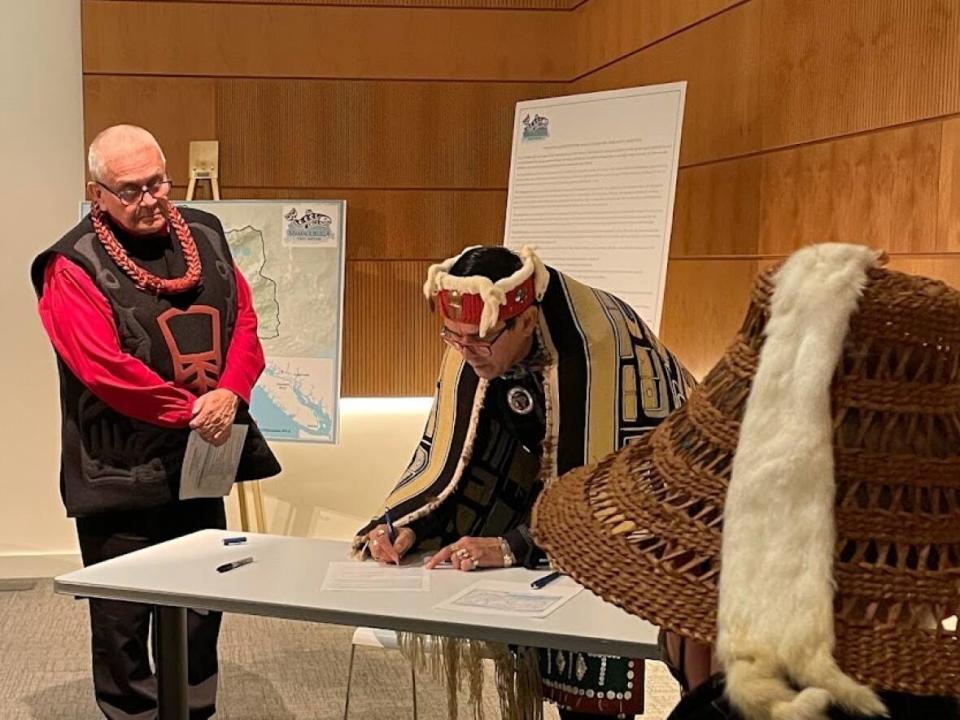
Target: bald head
(129, 178)
(111, 150)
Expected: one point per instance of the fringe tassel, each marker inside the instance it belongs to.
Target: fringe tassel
(458, 663)
(551, 401)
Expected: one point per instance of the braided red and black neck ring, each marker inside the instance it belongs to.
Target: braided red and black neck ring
(142, 278)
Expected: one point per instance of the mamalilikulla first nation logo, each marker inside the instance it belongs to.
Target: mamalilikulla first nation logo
(311, 226)
(536, 128)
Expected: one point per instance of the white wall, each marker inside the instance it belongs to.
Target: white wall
(331, 490)
(41, 182)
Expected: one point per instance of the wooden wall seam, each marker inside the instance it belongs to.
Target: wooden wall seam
(320, 78)
(819, 141)
(942, 182)
(584, 73)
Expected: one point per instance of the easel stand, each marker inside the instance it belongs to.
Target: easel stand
(251, 488)
(204, 167)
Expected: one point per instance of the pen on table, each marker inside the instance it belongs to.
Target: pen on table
(234, 565)
(545, 580)
(234, 540)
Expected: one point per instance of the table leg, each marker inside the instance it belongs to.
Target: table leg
(171, 662)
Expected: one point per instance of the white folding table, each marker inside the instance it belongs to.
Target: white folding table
(285, 582)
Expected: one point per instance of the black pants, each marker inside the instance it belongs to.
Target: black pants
(571, 715)
(125, 684)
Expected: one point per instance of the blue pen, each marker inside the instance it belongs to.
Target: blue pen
(391, 533)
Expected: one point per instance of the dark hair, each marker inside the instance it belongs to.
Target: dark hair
(494, 262)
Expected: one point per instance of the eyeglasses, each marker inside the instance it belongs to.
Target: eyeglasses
(484, 348)
(133, 194)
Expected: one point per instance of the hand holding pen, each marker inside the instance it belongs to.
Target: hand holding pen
(387, 543)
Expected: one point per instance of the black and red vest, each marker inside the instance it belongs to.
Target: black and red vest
(113, 462)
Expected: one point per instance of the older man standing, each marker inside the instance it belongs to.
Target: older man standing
(155, 335)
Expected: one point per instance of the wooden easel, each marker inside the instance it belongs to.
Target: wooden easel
(204, 167)
(253, 488)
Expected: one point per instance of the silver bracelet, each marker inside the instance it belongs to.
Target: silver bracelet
(509, 560)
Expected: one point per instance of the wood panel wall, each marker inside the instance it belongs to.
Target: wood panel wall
(806, 121)
(403, 108)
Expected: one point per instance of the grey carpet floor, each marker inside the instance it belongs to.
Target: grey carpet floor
(270, 669)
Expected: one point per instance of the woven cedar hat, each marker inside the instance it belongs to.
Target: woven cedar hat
(820, 461)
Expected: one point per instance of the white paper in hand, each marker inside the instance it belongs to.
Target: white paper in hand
(209, 471)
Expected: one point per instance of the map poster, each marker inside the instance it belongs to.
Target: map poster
(292, 255)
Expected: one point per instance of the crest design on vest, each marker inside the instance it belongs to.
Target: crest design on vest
(198, 371)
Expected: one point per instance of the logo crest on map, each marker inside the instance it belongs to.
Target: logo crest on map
(310, 228)
(536, 128)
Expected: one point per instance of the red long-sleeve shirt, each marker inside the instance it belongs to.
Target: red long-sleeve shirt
(79, 321)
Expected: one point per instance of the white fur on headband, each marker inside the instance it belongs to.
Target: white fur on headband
(494, 294)
(776, 614)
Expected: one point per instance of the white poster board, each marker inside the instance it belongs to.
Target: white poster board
(592, 185)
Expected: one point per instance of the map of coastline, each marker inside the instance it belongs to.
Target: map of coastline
(250, 254)
(291, 254)
(286, 405)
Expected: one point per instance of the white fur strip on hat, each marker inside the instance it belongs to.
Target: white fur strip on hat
(776, 615)
(494, 294)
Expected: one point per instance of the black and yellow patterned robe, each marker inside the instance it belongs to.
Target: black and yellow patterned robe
(604, 379)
